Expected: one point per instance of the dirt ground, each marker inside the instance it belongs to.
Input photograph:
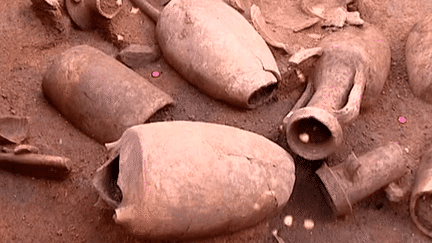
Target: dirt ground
(39, 210)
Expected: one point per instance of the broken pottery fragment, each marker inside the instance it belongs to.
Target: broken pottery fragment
(36, 165)
(216, 50)
(357, 178)
(86, 13)
(421, 196)
(25, 149)
(100, 95)
(13, 129)
(333, 12)
(239, 5)
(50, 12)
(351, 71)
(182, 179)
(136, 56)
(260, 25)
(419, 59)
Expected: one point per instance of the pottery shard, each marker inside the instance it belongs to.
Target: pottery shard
(13, 129)
(49, 11)
(136, 56)
(183, 180)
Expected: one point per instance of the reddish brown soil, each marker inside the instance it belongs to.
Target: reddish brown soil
(39, 210)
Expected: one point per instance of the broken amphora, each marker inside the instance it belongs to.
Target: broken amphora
(357, 178)
(418, 53)
(351, 72)
(183, 180)
(100, 95)
(86, 13)
(216, 50)
(421, 196)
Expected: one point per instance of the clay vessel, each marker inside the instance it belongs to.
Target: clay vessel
(418, 53)
(100, 95)
(357, 178)
(421, 196)
(350, 73)
(86, 13)
(184, 180)
(216, 50)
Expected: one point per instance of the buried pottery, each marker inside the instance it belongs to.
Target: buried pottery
(100, 95)
(183, 180)
(216, 50)
(86, 14)
(421, 196)
(357, 178)
(350, 73)
(419, 59)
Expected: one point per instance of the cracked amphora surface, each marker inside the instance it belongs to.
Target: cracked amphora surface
(183, 180)
(216, 50)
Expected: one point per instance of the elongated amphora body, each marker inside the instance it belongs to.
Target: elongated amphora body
(216, 50)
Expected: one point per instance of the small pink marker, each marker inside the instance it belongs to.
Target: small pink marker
(402, 119)
(155, 74)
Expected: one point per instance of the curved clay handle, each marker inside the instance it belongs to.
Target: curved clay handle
(352, 108)
(302, 101)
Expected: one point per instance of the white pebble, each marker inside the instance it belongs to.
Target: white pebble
(315, 36)
(256, 206)
(304, 137)
(134, 10)
(308, 224)
(288, 220)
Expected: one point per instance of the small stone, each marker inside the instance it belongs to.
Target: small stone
(134, 10)
(304, 137)
(60, 232)
(120, 38)
(394, 192)
(288, 220)
(256, 206)
(308, 224)
(315, 36)
(136, 56)
(353, 18)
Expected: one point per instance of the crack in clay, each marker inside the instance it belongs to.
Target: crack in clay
(275, 74)
(272, 193)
